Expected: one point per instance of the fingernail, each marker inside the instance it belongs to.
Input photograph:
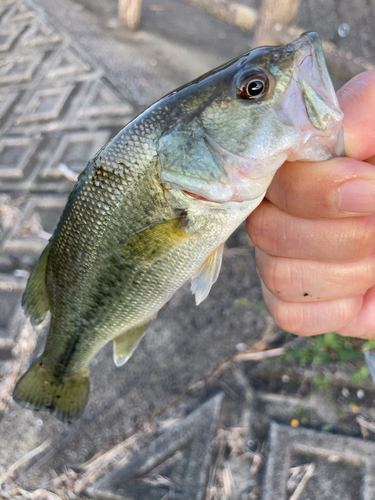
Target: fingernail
(357, 196)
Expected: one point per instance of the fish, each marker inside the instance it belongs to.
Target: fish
(155, 205)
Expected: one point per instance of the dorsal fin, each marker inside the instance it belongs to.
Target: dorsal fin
(207, 275)
(35, 299)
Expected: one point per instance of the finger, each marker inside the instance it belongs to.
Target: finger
(363, 325)
(312, 318)
(282, 235)
(357, 101)
(296, 280)
(339, 187)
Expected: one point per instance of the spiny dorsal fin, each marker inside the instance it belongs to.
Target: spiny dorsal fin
(153, 243)
(125, 344)
(39, 389)
(207, 275)
(35, 299)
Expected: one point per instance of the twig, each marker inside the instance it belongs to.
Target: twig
(257, 463)
(174, 458)
(25, 345)
(363, 423)
(258, 356)
(18, 463)
(67, 172)
(212, 476)
(228, 481)
(309, 472)
(129, 11)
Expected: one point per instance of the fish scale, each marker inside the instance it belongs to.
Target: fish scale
(155, 205)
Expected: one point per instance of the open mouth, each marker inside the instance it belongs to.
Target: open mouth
(314, 80)
(196, 197)
(311, 102)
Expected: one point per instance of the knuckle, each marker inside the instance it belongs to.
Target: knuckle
(289, 317)
(363, 237)
(279, 276)
(259, 228)
(344, 310)
(315, 318)
(268, 229)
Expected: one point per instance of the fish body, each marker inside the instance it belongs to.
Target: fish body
(155, 205)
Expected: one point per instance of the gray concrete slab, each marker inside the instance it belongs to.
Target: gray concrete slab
(370, 360)
(192, 437)
(344, 467)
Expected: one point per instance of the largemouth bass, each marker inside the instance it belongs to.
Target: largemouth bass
(155, 205)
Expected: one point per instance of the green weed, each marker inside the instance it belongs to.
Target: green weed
(321, 382)
(360, 375)
(324, 349)
(369, 345)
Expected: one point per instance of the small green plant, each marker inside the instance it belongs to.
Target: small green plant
(326, 428)
(369, 345)
(300, 410)
(325, 348)
(360, 375)
(321, 382)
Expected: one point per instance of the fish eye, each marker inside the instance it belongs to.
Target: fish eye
(253, 86)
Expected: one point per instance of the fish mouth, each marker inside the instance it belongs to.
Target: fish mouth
(318, 116)
(310, 65)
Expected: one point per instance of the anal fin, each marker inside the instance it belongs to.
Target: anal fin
(208, 273)
(126, 343)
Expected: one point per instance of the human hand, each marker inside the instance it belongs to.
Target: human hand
(315, 231)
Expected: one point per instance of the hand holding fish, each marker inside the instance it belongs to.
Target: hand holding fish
(315, 231)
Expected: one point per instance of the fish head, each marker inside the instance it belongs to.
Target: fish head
(241, 122)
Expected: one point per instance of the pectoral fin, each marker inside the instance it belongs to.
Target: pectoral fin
(125, 344)
(35, 300)
(207, 275)
(155, 242)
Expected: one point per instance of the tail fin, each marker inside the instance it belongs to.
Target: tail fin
(39, 389)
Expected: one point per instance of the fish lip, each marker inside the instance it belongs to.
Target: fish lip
(310, 66)
(191, 196)
(309, 63)
(310, 101)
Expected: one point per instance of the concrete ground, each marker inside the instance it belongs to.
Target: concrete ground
(70, 77)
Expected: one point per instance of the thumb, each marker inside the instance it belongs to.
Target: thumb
(357, 101)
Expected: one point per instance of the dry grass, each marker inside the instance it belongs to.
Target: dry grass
(231, 444)
(22, 351)
(9, 212)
